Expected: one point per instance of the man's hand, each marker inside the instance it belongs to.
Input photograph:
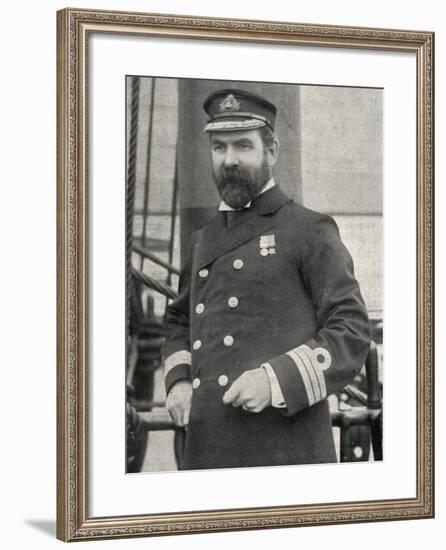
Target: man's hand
(178, 402)
(251, 390)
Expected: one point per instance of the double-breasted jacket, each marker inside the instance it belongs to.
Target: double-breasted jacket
(275, 288)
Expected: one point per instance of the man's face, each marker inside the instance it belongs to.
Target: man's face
(241, 165)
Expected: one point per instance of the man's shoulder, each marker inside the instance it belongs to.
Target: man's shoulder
(306, 216)
(308, 228)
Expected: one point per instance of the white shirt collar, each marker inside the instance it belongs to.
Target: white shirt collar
(225, 207)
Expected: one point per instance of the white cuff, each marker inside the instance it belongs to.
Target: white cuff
(277, 399)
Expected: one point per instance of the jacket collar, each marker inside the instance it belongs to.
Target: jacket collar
(270, 201)
(217, 240)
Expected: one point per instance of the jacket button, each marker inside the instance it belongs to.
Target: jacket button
(223, 380)
(197, 344)
(233, 301)
(196, 383)
(199, 308)
(228, 340)
(237, 264)
(203, 273)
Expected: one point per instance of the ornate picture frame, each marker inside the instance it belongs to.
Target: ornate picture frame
(75, 520)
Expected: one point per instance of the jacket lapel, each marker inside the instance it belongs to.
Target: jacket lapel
(217, 240)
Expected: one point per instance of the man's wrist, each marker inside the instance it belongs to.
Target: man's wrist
(180, 381)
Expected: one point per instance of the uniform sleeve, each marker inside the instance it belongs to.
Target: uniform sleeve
(176, 349)
(326, 363)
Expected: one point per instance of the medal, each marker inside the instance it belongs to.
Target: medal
(267, 245)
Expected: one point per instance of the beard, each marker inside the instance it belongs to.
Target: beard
(238, 185)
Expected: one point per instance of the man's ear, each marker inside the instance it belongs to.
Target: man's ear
(273, 152)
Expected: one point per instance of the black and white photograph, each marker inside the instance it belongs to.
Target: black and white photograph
(254, 274)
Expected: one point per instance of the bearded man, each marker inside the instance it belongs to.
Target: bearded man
(269, 320)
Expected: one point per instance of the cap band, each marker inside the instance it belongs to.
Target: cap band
(242, 115)
(222, 125)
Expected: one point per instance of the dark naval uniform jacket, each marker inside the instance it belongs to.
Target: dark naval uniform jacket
(275, 288)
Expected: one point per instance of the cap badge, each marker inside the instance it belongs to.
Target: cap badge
(229, 104)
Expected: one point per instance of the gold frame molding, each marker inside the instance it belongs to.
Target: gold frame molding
(73, 520)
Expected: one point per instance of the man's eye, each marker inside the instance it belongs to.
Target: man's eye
(218, 148)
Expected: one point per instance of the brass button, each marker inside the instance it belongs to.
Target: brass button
(237, 264)
(199, 308)
(203, 273)
(196, 383)
(197, 344)
(233, 301)
(228, 340)
(264, 251)
(223, 380)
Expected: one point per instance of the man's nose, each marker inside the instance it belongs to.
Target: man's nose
(231, 158)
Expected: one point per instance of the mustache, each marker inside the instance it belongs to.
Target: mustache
(230, 174)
